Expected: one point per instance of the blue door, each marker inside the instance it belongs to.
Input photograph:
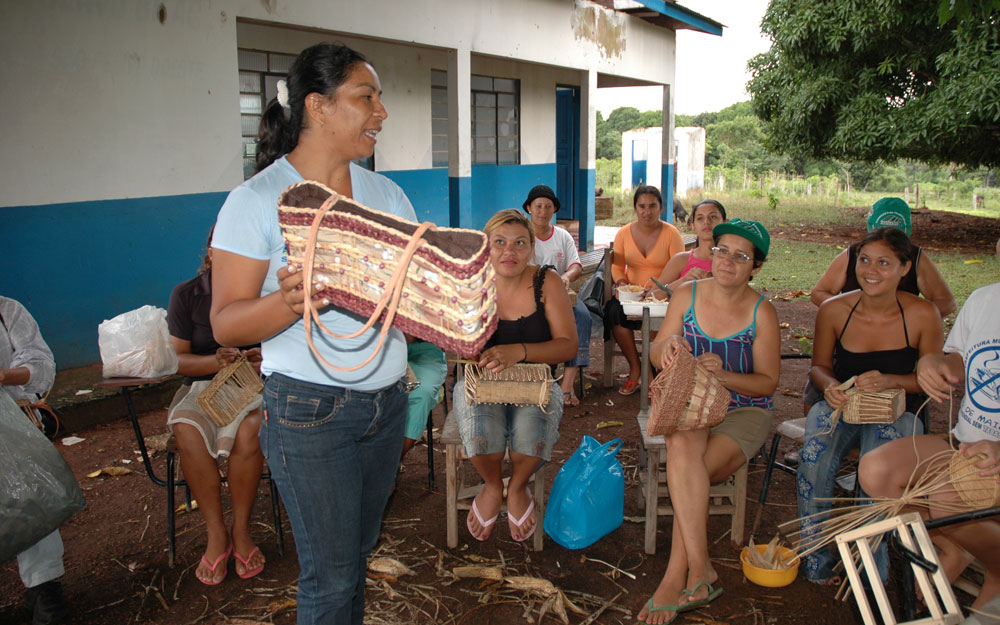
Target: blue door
(638, 162)
(567, 149)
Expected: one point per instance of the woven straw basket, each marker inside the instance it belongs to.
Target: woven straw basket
(433, 283)
(975, 490)
(880, 407)
(685, 396)
(526, 384)
(232, 389)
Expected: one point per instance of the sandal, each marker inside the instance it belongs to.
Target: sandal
(629, 388)
(569, 399)
(650, 608)
(485, 524)
(714, 592)
(223, 559)
(519, 522)
(247, 571)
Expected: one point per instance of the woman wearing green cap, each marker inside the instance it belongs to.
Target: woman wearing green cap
(923, 277)
(745, 358)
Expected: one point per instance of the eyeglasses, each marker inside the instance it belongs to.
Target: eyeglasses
(738, 257)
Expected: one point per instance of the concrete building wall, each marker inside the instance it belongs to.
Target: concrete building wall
(122, 127)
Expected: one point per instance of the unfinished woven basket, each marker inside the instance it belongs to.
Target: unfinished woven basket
(232, 389)
(975, 490)
(525, 384)
(685, 396)
(880, 407)
(432, 283)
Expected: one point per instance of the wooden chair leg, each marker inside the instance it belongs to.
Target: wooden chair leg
(539, 496)
(653, 461)
(451, 494)
(740, 505)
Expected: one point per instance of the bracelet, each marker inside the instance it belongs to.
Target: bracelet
(525, 348)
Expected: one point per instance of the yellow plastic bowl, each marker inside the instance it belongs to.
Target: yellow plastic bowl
(767, 577)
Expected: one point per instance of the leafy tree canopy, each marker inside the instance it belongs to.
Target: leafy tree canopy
(881, 79)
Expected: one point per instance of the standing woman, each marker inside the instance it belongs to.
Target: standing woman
(555, 246)
(745, 358)
(326, 434)
(685, 267)
(876, 334)
(642, 250)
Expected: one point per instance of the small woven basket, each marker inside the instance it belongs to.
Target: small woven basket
(526, 384)
(232, 389)
(685, 396)
(976, 491)
(881, 407)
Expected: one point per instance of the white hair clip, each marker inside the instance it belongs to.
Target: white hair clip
(283, 94)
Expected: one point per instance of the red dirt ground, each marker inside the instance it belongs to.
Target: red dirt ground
(116, 564)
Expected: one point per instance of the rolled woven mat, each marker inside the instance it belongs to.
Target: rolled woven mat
(685, 396)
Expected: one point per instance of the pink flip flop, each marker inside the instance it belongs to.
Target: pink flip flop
(486, 524)
(213, 566)
(247, 571)
(524, 517)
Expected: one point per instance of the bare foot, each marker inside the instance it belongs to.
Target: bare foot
(487, 502)
(518, 502)
(662, 606)
(216, 554)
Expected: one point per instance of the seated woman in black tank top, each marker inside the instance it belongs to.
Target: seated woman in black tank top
(536, 325)
(877, 334)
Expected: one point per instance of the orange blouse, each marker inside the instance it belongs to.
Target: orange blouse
(636, 268)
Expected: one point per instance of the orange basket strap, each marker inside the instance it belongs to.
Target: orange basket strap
(390, 298)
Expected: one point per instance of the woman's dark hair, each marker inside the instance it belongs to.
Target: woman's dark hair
(895, 238)
(758, 256)
(206, 260)
(318, 69)
(645, 189)
(715, 203)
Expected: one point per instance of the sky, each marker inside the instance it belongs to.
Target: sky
(711, 71)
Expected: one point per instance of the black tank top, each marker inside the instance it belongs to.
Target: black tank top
(900, 361)
(908, 282)
(531, 329)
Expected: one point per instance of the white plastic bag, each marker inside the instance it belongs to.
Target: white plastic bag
(137, 344)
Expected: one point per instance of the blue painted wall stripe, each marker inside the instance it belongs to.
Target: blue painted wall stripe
(78, 264)
(667, 180)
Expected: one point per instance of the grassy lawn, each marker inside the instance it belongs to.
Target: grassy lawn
(795, 266)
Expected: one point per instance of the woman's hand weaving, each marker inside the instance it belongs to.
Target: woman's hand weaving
(499, 357)
(871, 382)
(834, 396)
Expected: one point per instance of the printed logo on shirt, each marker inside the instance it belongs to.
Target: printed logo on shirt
(983, 376)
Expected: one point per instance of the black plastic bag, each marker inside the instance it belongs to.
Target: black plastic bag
(592, 291)
(37, 489)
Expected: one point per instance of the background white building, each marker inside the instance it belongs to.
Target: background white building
(642, 159)
(127, 122)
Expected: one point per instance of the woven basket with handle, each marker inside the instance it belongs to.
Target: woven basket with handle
(433, 283)
(869, 408)
(685, 396)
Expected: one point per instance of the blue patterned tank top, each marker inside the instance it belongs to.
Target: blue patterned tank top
(735, 350)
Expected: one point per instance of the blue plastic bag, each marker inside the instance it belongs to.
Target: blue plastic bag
(588, 497)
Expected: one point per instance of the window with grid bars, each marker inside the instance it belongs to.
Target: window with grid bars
(496, 128)
(260, 72)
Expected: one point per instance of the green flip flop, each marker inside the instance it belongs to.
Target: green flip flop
(660, 608)
(714, 592)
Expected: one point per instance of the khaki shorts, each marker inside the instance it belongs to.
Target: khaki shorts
(748, 427)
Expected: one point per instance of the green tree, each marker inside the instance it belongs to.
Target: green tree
(624, 118)
(884, 79)
(650, 119)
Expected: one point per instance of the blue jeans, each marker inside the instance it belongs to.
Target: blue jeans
(490, 428)
(333, 454)
(819, 461)
(583, 324)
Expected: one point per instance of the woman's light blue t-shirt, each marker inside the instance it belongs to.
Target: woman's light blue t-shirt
(248, 226)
